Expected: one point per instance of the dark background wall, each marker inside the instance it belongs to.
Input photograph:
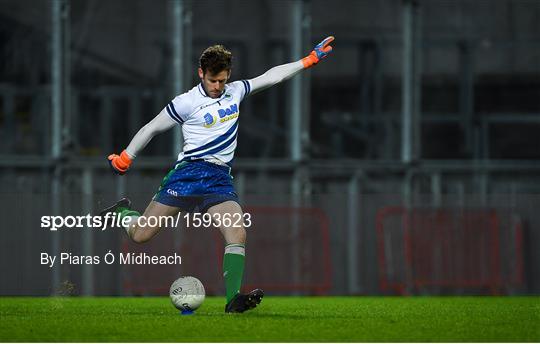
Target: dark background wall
(480, 118)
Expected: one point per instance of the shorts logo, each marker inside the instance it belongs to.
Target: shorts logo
(172, 192)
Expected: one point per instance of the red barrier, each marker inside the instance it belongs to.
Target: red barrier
(450, 248)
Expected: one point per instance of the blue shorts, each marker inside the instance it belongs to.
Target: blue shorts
(195, 186)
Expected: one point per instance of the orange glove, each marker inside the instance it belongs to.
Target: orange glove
(120, 163)
(320, 51)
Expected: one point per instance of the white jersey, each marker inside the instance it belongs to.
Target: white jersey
(209, 125)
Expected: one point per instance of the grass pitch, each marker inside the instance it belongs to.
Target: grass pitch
(277, 319)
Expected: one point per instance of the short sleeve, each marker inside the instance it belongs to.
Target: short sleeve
(179, 108)
(242, 88)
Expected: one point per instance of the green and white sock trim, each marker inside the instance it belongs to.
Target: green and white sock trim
(233, 269)
(235, 249)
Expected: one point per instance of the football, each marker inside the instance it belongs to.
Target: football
(187, 293)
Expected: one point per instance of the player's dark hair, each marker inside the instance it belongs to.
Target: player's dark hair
(215, 59)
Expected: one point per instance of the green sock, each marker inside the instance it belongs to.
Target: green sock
(233, 269)
(123, 212)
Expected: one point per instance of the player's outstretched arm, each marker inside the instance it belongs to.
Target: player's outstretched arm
(120, 163)
(286, 71)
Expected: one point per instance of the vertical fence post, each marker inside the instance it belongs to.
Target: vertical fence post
(411, 82)
(353, 208)
(177, 40)
(87, 236)
(59, 15)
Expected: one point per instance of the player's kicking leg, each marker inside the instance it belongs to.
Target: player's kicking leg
(234, 258)
(143, 232)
